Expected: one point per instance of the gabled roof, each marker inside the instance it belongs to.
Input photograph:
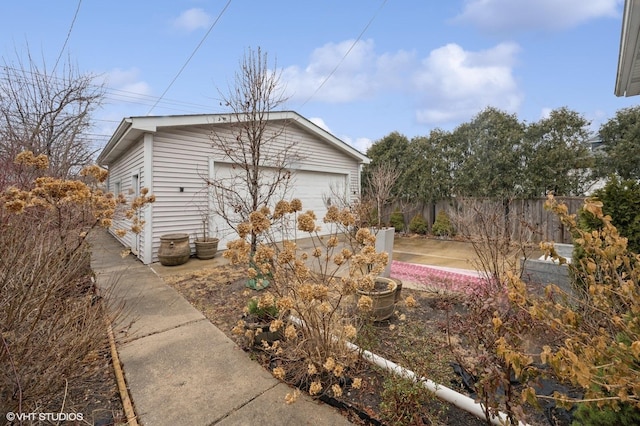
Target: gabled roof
(130, 129)
(628, 75)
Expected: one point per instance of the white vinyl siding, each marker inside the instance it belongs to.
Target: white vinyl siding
(179, 161)
(120, 179)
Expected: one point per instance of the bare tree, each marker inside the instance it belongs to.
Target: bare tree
(47, 113)
(380, 181)
(258, 150)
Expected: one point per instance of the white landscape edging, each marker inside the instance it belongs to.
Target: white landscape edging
(444, 393)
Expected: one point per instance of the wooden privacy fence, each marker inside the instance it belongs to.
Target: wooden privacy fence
(540, 223)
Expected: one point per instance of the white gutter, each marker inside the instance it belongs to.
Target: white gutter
(444, 393)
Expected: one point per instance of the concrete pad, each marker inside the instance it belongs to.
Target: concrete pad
(270, 409)
(190, 375)
(151, 309)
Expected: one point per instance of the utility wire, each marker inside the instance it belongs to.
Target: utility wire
(8, 73)
(64, 46)
(191, 56)
(345, 55)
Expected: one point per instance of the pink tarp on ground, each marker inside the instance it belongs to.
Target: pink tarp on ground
(436, 278)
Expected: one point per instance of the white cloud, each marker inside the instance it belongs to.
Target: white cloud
(354, 79)
(361, 144)
(449, 85)
(320, 123)
(455, 84)
(192, 19)
(545, 112)
(517, 15)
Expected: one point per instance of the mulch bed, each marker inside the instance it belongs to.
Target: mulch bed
(419, 338)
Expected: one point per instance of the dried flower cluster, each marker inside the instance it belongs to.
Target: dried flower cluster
(599, 323)
(51, 321)
(313, 277)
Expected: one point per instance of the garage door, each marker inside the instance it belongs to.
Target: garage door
(316, 190)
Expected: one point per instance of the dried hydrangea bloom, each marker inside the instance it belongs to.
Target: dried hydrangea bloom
(27, 158)
(324, 308)
(410, 302)
(348, 285)
(320, 291)
(237, 251)
(282, 207)
(311, 369)
(365, 304)
(347, 218)
(244, 229)
(279, 373)
(329, 364)
(332, 242)
(290, 332)
(357, 383)
(337, 390)
(315, 388)
(306, 222)
(99, 174)
(292, 397)
(332, 215)
(338, 370)
(285, 303)
(275, 325)
(295, 205)
(346, 253)
(349, 331)
(364, 236)
(305, 293)
(259, 222)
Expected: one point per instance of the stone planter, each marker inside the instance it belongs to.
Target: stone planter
(384, 243)
(174, 249)
(206, 249)
(383, 296)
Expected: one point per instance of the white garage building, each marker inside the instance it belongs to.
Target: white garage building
(170, 155)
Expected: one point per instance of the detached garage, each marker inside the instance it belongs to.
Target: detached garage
(175, 156)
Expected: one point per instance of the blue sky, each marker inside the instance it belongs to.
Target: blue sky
(419, 64)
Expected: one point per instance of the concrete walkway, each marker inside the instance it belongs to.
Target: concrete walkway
(180, 369)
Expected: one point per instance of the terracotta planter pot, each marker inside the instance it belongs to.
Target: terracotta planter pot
(384, 298)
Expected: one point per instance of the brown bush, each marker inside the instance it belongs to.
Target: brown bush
(52, 322)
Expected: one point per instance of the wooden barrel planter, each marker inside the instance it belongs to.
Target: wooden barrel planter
(174, 249)
(206, 249)
(384, 298)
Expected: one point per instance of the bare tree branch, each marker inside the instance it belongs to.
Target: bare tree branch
(47, 114)
(258, 149)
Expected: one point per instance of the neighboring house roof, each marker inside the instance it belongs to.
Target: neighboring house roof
(628, 75)
(131, 128)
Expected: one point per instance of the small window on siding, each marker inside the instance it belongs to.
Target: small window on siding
(117, 188)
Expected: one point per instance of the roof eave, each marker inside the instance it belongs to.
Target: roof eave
(626, 80)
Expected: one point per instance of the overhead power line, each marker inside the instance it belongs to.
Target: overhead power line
(192, 55)
(346, 54)
(117, 95)
(66, 40)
